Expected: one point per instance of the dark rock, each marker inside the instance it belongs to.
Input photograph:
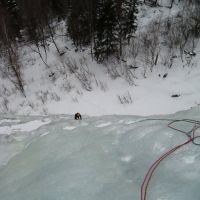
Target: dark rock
(52, 74)
(192, 53)
(123, 60)
(132, 67)
(62, 53)
(175, 95)
(165, 75)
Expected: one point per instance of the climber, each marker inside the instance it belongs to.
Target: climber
(77, 116)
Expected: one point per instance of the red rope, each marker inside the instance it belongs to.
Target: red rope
(153, 167)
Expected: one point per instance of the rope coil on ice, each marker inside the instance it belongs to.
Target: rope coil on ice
(192, 137)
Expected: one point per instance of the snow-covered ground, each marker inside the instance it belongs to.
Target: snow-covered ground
(97, 158)
(92, 90)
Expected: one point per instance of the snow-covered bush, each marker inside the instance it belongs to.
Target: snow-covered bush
(125, 98)
(112, 69)
(103, 86)
(67, 86)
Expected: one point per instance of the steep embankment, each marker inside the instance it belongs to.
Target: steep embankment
(139, 84)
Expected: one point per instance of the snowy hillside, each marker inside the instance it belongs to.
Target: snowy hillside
(57, 158)
(74, 82)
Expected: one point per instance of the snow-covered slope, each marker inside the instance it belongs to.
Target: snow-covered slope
(97, 158)
(76, 83)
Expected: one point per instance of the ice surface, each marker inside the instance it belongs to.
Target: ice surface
(28, 127)
(100, 158)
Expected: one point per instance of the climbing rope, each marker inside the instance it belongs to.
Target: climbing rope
(192, 137)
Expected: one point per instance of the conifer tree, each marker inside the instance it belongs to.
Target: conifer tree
(106, 27)
(129, 25)
(79, 21)
(11, 12)
(126, 11)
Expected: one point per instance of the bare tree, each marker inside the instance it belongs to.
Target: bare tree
(171, 5)
(12, 69)
(151, 44)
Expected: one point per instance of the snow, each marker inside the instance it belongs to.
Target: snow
(104, 125)
(150, 96)
(65, 94)
(69, 128)
(26, 127)
(126, 158)
(107, 154)
(96, 163)
(8, 121)
(44, 134)
(189, 159)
